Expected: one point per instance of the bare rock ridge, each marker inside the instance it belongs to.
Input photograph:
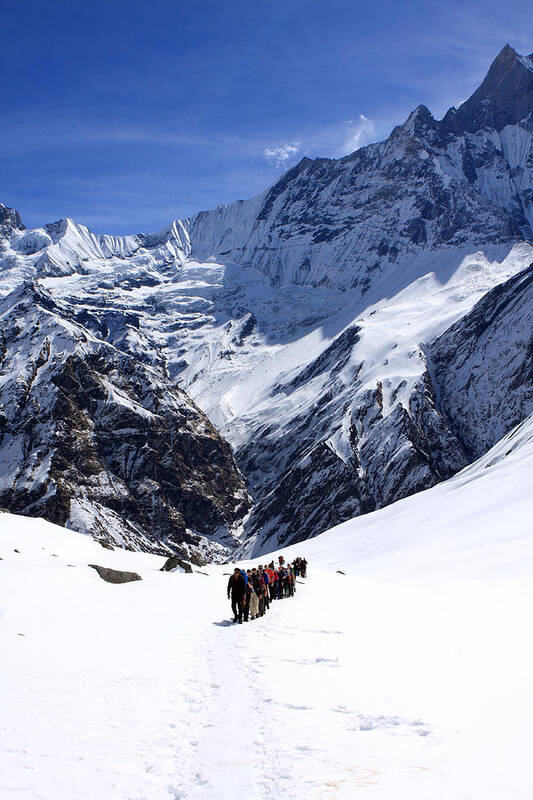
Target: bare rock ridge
(258, 373)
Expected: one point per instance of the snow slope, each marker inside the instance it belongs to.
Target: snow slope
(406, 677)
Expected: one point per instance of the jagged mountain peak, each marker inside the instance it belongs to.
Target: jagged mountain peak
(421, 113)
(9, 220)
(60, 227)
(505, 96)
(176, 232)
(419, 122)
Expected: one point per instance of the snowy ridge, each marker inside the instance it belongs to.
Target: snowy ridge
(66, 247)
(356, 222)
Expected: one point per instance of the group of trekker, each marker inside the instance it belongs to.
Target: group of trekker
(252, 590)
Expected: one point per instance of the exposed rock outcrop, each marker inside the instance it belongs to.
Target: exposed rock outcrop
(175, 561)
(115, 575)
(9, 220)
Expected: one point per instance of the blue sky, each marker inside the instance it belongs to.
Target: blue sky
(125, 114)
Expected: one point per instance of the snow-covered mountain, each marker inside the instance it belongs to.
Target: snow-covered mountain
(358, 332)
(359, 221)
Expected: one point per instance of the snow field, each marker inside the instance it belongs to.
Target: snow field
(93, 688)
(349, 685)
(407, 677)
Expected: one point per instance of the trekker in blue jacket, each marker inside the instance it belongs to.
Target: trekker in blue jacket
(266, 580)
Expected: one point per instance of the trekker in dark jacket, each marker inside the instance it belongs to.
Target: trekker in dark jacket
(283, 581)
(291, 581)
(237, 590)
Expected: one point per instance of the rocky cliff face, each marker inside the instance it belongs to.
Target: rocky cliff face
(357, 333)
(95, 440)
(504, 98)
(483, 366)
(324, 474)
(9, 221)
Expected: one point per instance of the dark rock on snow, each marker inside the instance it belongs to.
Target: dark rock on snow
(115, 575)
(482, 366)
(9, 220)
(173, 562)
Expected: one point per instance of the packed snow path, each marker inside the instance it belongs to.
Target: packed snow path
(353, 686)
(279, 723)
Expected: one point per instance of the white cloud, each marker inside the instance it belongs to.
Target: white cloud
(358, 133)
(280, 155)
